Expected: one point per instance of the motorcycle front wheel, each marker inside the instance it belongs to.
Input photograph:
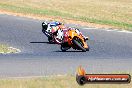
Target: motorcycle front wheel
(78, 44)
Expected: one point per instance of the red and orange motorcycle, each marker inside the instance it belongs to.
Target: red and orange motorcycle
(74, 40)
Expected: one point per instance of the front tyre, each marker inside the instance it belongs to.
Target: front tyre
(78, 44)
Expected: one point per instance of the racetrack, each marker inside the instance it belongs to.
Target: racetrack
(110, 51)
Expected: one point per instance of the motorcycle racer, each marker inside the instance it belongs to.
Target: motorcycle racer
(49, 28)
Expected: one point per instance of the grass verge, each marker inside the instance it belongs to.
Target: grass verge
(114, 13)
(53, 82)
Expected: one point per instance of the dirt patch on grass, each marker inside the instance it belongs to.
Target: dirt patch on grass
(51, 18)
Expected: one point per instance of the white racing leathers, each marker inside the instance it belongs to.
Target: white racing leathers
(59, 37)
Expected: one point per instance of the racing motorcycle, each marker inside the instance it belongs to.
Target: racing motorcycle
(74, 40)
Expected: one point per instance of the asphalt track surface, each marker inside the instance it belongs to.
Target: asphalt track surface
(110, 51)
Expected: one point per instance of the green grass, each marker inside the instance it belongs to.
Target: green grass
(109, 12)
(108, 22)
(53, 82)
(33, 11)
(4, 49)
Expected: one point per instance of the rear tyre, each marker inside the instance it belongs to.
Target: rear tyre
(50, 39)
(64, 47)
(77, 43)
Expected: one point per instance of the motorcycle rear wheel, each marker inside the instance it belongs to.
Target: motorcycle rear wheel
(50, 39)
(64, 47)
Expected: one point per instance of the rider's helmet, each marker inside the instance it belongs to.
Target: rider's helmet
(45, 25)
